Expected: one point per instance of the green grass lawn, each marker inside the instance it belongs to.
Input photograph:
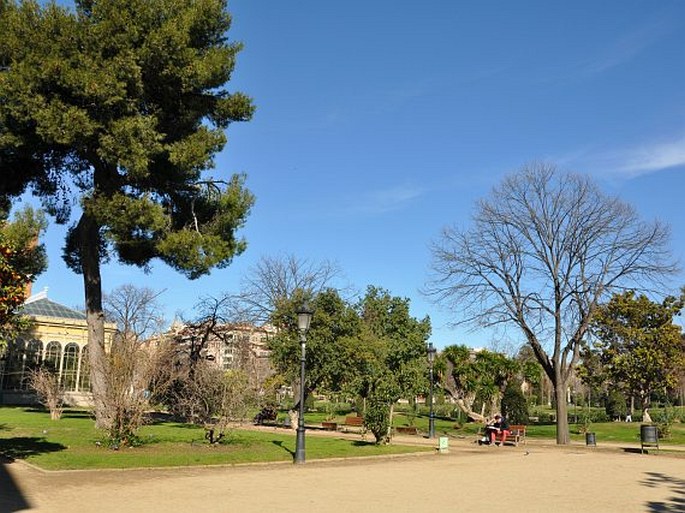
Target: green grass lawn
(74, 443)
(618, 432)
(615, 432)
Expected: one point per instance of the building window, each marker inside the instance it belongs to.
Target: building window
(69, 367)
(53, 353)
(33, 353)
(84, 371)
(14, 365)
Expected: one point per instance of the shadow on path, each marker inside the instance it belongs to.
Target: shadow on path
(675, 503)
(11, 497)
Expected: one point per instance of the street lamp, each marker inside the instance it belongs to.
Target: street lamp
(431, 416)
(304, 317)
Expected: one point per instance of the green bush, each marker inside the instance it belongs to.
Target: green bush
(616, 406)
(310, 403)
(514, 405)
(377, 420)
(665, 419)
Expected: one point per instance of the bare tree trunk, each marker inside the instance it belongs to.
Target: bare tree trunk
(89, 240)
(392, 411)
(563, 437)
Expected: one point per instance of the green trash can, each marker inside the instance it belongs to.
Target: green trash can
(590, 439)
(649, 437)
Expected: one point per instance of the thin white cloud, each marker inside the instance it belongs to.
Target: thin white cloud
(627, 47)
(651, 158)
(386, 200)
(629, 162)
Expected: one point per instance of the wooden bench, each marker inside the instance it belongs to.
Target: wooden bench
(329, 426)
(517, 433)
(406, 430)
(354, 420)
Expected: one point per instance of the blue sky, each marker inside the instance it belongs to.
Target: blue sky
(379, 122)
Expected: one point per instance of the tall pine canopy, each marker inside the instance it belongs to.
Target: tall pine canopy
(123, 105)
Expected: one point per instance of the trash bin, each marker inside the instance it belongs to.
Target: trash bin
(590, 439)
(649, 437)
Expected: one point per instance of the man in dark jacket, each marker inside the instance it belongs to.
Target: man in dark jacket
(499, 429)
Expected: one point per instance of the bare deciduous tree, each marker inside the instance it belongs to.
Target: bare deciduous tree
(544, 249)
(135, 310)
(274, 279)
(189, 381)
(128, 367)
(50, 392)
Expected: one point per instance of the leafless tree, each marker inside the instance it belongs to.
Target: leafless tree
(546, 247)
(129, 366)
(45, 382)
(193, 383)
(274, 279)
(135, 310)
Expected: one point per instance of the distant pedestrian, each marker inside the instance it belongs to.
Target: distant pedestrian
(629, 417)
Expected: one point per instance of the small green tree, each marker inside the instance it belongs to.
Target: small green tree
(616, 406)
(22, 258)
(477, 376)
(639, 346)
(514, 404)
(377, 418)
(334, 320)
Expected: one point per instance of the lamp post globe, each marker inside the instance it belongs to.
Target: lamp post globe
(304, 318)
(431, 416)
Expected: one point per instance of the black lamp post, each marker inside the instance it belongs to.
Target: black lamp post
(304, 317)
(431, 416)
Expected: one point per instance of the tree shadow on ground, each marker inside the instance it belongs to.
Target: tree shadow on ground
(362, 443)
(279, 443)
(77, 414)
(20, 448)
(11, 497)
(675, 503)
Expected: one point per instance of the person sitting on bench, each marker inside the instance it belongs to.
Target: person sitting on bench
(499, 428)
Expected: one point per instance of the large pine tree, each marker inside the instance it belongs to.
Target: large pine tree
(123, 104)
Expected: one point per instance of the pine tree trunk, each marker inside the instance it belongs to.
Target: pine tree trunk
(89, 240)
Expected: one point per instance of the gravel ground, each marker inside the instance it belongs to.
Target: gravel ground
(531, 478)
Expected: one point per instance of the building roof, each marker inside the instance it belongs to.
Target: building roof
(40, 305)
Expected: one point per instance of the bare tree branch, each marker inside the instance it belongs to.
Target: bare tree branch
(545, 248)
(275, 279)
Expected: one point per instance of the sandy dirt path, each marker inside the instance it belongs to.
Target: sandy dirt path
(538, 479)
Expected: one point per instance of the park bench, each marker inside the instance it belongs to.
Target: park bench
(517, 433)
(406, 430)
(329, 426)
(354, 421)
